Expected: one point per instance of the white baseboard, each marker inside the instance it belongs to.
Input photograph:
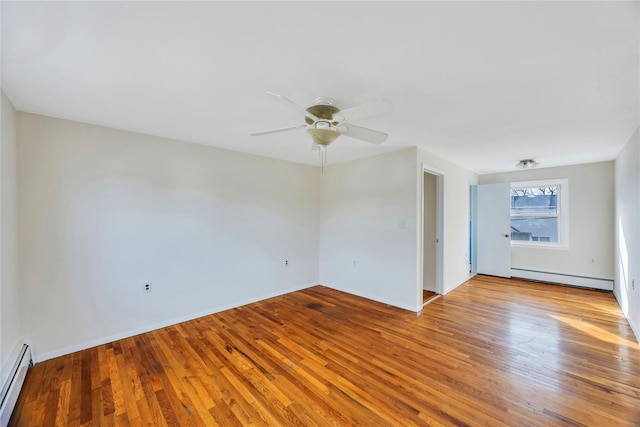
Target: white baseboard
(374, 298)
(563, 279)
(175, 321)
(394, 303)
(634, 328)
(448, 290)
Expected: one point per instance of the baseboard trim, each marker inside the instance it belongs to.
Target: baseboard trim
(451, 289)
(133, 332)
(635, 330)
(374, 298)
(563, 279)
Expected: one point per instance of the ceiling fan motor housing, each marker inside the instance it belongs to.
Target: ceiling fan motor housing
(322, 108)
(323, 132)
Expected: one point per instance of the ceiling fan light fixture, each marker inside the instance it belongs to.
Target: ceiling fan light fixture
(323, 136)
(527, 164)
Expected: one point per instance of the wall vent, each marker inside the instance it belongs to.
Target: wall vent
(11, 389)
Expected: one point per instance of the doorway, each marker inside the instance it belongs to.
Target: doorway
(432, 213)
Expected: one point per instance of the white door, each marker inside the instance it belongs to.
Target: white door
(493, 228)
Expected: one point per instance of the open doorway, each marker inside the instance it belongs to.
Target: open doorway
(432, 190)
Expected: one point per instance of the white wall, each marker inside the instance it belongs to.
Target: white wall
(371, 213)
(457, 182)
(591, 219)
(368, 215)
(10, 327)
(103, 211)
(627, 223)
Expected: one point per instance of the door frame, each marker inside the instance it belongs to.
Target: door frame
(440, 175)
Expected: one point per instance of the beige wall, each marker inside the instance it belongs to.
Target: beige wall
(11, 334)
(104, 211)
(591, 219)
(368, 228)
(627, 224)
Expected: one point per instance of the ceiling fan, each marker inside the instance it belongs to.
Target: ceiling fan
(325, 122)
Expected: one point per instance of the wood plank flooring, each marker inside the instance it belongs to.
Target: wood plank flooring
(428, 296)
(493, 352)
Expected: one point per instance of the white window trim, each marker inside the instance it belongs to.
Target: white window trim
(563, 214)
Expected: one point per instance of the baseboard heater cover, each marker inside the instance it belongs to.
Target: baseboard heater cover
(11, 388)
(563, 279)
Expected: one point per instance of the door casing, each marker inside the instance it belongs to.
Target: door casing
(440, 176)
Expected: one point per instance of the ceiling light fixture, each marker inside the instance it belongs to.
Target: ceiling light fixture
(527, 164)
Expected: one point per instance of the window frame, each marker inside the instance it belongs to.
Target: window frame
(562, 213)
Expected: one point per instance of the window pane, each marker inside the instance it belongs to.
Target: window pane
(534, 200)
(534, 229)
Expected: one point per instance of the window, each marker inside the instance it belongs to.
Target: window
(539, 213)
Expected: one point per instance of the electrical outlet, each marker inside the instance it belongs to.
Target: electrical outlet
(354, 263)
(286, 263)
(633, 284)
(592, 260)
(147, 287)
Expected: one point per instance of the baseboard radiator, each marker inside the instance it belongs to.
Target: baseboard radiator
(11, 388)
(563, 279)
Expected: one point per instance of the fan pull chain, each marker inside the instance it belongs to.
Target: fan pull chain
(322, 155)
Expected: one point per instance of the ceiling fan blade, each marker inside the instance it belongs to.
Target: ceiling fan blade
(371, 108)
(291, 104)
(267, 132)
(364, 134)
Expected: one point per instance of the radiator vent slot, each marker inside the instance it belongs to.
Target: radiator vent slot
(563, 279)
(11, 388)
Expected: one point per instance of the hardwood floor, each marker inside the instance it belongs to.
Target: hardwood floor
(428, 296)
(493, 352)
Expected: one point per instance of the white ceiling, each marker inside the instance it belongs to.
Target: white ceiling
(483, 84)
